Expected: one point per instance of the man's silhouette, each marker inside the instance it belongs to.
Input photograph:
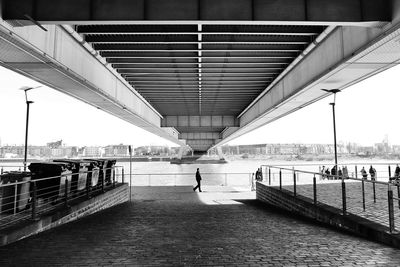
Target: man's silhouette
(198, 179)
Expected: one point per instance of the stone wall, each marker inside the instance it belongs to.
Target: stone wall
(113, 197)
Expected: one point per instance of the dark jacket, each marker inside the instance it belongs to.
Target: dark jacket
(198, 176)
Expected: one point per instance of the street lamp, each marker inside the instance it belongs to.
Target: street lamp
(334, 91)
(26, 89)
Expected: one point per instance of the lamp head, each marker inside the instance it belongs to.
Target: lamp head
(333, 91)
(27, 88)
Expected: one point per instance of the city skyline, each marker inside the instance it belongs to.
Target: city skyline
(365, 113)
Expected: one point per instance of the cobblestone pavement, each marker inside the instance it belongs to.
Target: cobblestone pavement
(173, 226)
(331, 194)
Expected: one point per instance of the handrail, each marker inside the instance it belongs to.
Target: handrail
(329, 175)
(54, 177)
(190, 173)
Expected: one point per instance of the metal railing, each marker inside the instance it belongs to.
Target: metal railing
(29, 199)
(188, 179)
(371, 199)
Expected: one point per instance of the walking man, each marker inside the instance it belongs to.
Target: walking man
(198, 179)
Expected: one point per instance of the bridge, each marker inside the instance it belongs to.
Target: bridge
(199, 72)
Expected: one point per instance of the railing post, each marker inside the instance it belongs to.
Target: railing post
(398, 195)
(363, 194)
(15, 197)
(343, 197)
(123, 176)
(269, 176)
(356, 173)
(88, 187)
(113, 174)
(66, 193)
(315, 189)
(280, 179)
(390, 172)
(294, 182)
(102, 181)
(2, 170)
(34, 192)
(391, 210)
(374, 192)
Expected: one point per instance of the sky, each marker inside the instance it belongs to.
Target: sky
(365, 112)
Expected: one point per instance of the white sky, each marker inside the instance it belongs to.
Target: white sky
(365, 112)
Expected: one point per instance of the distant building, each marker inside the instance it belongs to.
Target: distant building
(56, 144)
(91, 151)
(116, 151)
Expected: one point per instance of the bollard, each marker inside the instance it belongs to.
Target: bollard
(280, 179)
(343, 197)
(363, 194)
(2, 170)
(294, 183)
(66, 193)
(315, 189)
(391, 210)
(356, 171)
(34, 201)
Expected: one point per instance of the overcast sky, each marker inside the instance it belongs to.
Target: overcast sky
(365, 113)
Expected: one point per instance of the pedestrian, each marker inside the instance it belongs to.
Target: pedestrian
(397, 172)
(345, 172)
(364, 173)
(322, 176)
(198, 179)
(259, 175)
(372, 172)
(328, 173)
(340, 173)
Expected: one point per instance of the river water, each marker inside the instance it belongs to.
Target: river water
(234, 173)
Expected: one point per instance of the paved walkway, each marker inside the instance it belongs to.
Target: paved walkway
(173, 226)
(331, 194)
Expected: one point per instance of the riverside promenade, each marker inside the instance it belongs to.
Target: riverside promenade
(173, 226)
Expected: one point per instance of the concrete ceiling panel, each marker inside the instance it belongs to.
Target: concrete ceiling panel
(126, 9)
(289, 10)
(172, 10)
(73, 9)
(226, 10)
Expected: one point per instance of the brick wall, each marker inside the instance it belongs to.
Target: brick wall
(113, 197)
(304, 206)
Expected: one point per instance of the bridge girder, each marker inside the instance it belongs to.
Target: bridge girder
(282, 11)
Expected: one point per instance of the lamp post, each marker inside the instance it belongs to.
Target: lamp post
(333, 91)
(26, 89)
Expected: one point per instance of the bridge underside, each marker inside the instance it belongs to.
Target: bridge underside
(215, 70)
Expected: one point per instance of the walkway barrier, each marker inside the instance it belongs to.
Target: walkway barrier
(29, 198)
(188, 179)
(374, 200)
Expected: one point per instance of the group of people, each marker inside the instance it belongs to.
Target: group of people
(334, 173)
(372, 173)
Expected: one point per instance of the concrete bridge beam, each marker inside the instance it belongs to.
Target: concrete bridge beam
(199, 121)
(344, 57)
(360, 12)
(56, 58)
